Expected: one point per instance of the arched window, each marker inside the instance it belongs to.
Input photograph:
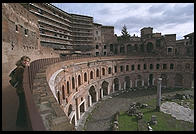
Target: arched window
(73, 83)
(91, 75)
(171, 66)
(97, 73)
(85, 77)
(63, 92)
(109, 70)
(151, 66)
(103, 71)
(68, 87)
(79, 80)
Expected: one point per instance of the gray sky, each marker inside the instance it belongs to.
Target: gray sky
(165, 18)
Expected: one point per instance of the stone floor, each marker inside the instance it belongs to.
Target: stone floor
(177, 111)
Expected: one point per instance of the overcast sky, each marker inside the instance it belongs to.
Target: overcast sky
(165, 18)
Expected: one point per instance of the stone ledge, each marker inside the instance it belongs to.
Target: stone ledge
(52, 115)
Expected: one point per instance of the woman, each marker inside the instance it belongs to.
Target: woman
(21, 114)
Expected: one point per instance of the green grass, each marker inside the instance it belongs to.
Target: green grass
(165, 121)
(127, 123)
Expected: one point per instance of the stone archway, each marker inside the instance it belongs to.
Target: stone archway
(92, 92)
(116, 84)
(178, 80)
(105, 88)
(127, 80)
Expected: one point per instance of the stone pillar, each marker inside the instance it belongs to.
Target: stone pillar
(142, 82)
(97, 96)
(90, 98)
(124, 85)
(101, 92)
(136, 83)
(158, 94)
(130, 84)
(153, 81)
(113, 85)
(119, 85)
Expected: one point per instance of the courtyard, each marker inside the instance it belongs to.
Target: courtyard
(101, 118)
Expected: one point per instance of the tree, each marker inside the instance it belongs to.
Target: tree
(125, 35)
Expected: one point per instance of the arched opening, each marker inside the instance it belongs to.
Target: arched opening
(58, 96)
(127, 80)
(92, 92)
(63, 92)
(82, 108)
(116, 84)
(70, 109)
(97, 73)
(105, 88)
(103, 71)
(68, 87)
(109, 70)
(139, 81)
(178, 80)
(79, 80)
(149, 47)
(150, 79)
(85, 77)
(73, 83)
(91, 75)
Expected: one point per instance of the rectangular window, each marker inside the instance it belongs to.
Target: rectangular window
(97, 53)
(127, 67)
(121, 68)
(145, 67)
(104, 46)
(157, 66)
(132, 67)
(169, 49)
(97, 47)
(115, 69)
(164, 66)
(171, 66)
(151, 66)
(138, 67)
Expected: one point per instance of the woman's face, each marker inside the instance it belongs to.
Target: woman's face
(26, 62)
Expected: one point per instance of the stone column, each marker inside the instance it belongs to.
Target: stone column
(125, 85)
(158, 94)
(113, 85)
(101, 92)
(119, 85)
(130, 83)
(142, 82)
(90, 99)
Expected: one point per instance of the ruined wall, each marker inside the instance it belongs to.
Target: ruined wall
(20, 37)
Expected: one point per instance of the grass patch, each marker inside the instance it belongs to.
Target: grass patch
(165, 121)
(127, 123)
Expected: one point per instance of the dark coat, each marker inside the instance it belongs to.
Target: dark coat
(19, 77)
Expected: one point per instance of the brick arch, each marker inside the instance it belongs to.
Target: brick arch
(93, 93)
